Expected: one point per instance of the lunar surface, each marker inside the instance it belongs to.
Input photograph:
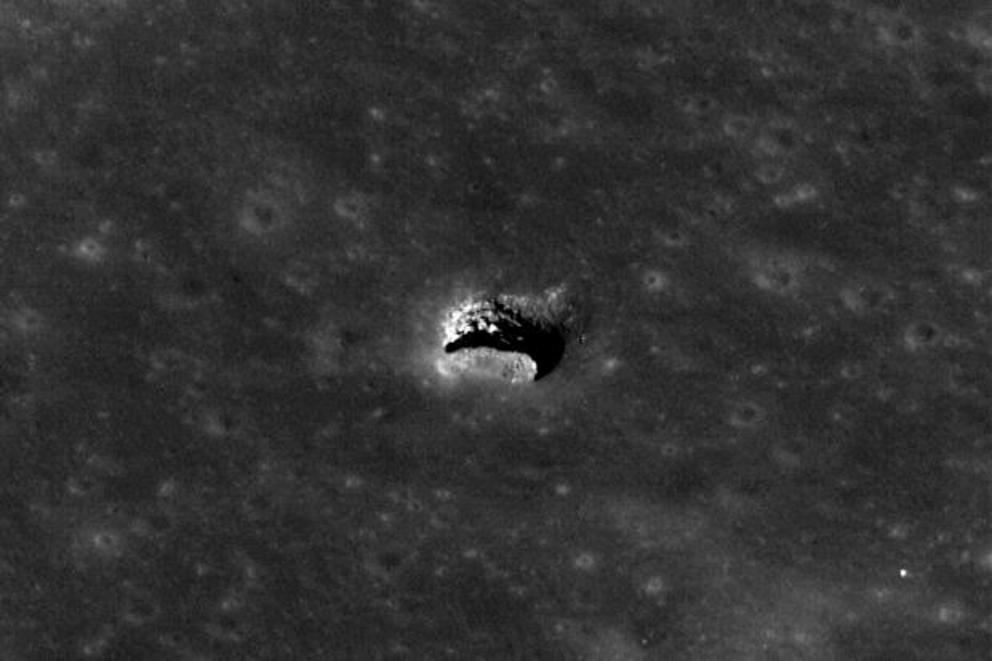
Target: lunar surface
(620, 330)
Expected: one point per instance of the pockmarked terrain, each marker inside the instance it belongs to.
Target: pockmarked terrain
(626, 330)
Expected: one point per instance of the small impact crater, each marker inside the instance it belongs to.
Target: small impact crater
(518, 339)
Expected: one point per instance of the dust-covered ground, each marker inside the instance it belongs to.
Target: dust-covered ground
(230, 233)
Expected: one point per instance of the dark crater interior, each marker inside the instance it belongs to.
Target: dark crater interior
(495, 324)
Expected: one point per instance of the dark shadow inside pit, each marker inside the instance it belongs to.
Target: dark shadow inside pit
(498, 326)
